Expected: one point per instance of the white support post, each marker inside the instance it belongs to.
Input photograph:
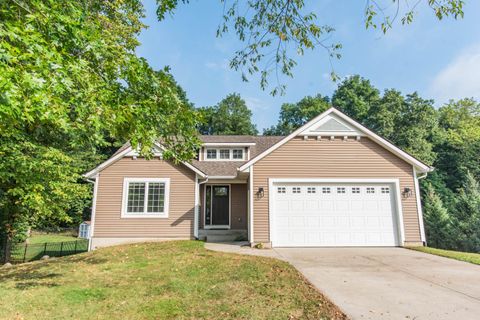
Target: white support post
(250, 206)
(197, 207)
(94, 209)
(419, 208)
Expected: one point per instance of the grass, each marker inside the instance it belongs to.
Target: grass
(170, 280)
(457, 255)
(50, 237)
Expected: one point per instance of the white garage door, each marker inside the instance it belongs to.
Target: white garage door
(334, 215)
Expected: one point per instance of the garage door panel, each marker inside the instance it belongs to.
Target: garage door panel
(333, 215)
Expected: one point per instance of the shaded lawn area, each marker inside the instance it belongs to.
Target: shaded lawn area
(50, 237)
(457, 255)
(180, 280)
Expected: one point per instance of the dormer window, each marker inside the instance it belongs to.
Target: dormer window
(212, 154)
(237, 154)
(225, 154)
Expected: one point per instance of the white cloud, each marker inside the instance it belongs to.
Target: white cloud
(460, 78)
(255, 104)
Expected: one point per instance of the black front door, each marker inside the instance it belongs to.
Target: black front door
(217, 206)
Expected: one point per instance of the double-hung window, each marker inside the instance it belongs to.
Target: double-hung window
(145, 197)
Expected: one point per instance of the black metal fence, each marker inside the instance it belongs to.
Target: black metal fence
(29, 252)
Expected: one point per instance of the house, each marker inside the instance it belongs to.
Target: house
(332, 182)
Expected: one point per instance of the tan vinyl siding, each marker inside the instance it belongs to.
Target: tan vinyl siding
(238, 206)
(179, 224)
(333, 159)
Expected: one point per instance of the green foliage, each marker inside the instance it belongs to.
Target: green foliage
(438, 223)
(230, 116)
(467, 216)
(70, 85)
(294, 115)
(273, 31)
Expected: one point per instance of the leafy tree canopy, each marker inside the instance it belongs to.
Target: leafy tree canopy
(230, 116)
(274, 31)
(294, 115)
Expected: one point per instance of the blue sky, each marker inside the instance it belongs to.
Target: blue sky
(440, 60)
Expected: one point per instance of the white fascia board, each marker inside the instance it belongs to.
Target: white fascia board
(91, 174)
(227, 144)
(389, 146)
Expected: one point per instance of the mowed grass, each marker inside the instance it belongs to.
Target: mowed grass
(457, 255)
(50, 237)
(170, 280)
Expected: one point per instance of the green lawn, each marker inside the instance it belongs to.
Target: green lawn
(170, 280)
(50, 237)
(457, 255)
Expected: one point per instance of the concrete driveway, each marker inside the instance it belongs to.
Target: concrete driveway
(384, 283)
(391, 283)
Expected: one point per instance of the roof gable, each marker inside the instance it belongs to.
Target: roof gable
(333, 119)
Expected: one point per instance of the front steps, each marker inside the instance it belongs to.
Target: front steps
(212, 235)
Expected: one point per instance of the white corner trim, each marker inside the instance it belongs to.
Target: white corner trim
(419, 207)
(128, 215)
(94, 210)
(395, 182)
(386, 144)
(250, 205)
(196, 212)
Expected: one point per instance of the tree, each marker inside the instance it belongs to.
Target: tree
(467, 216)
(355, 96)
(294, 115)
(230, 116)
(70, 82)
(273, 30)
(438, 223)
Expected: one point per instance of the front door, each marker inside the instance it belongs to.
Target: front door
(217, 206)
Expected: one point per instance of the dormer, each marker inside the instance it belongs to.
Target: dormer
(225, 151)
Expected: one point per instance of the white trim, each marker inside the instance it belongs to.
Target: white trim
(217, 155)
(196, 218)
(94, 209)
(226, 144)
(124, 153)
(129, 215)
(386, 144)
(205, 226)
(222, 177)
(419, 208)
(250, 206)
(395, 182)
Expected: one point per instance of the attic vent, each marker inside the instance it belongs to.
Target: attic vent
(332, 125)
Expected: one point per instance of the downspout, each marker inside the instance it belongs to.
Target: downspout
(94, 206)
(419, 205)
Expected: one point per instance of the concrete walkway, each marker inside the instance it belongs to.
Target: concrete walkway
(384, 283)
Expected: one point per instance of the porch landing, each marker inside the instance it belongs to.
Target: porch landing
(222, 235)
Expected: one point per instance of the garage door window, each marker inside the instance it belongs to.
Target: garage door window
(326, 190)
(341, 190)
(370, 190)
(311, 190)
(356, 190)
(296, 189)
(385, 190)
(281, 190)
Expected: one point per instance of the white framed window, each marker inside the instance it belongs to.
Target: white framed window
(237, 154)
(225, 154)
(311, 190)
(211, 153)
(145, 197)
(370, 190)
(296, 190)
(355, 190)
(341, 190)
(385, 190)
(281, 190)
(326, 190)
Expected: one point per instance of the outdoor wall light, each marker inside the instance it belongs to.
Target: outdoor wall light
(260, 192)
(407, 192)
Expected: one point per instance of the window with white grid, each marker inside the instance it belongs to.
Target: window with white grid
(385, 190)
(356, 190)
(296, 190)
(237, 154)
(145, 197)
(311, 190)
(224, 154)
(281, 190)
(326, 190)
(340, 190)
